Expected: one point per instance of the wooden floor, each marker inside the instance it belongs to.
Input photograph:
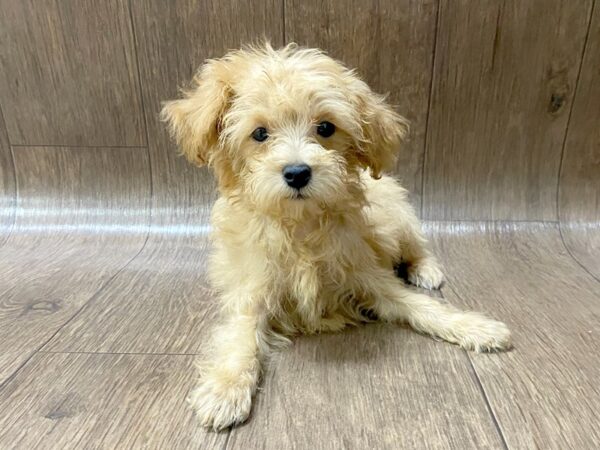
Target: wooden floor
(104, 302)
(99, 331)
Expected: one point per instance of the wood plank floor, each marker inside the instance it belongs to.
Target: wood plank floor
(49, 270)
(114, 372)
(104, 302)
(545, 392)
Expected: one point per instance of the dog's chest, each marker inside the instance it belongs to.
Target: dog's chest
(303, 233)
(320, 259)
(317, 273)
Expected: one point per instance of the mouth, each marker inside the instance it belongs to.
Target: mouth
(298, 195)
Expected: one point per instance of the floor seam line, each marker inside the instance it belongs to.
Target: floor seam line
(98, 292)
(572, 256)
(283, 30)
(429, 104)
(13, 222)
(486, 400)
(38, 350)
(478, 382)
(564, 143)
(11, 152)
(145, 119)
(572, 105)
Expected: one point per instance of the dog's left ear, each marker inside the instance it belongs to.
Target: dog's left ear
(383, 129)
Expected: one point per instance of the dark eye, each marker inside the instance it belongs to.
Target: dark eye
(325, 129)
(260, 134)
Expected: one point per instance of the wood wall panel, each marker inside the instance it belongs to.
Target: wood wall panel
(8, 188)
(579, 191)
(82, 215)
(96, 191)
(173, 39)
(391, 44)
(166, 284)
(68, 74)
(504, 79)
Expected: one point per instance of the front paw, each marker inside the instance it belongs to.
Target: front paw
(219, 405)
(426, 274)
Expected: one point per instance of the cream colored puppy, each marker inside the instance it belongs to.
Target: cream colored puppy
(307, 230)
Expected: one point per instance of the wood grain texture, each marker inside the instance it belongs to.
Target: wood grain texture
(166, 284)
(159, 304)
(391, 44)
(95, 192)
(173, 39)
(545, 392)
(74, 401)
(372, 387)
(579, 189)
(68, 73)
(81, 216)
(502, 91)
(8, 188)
(108, 250)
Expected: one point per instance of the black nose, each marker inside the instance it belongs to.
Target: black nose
(297, 176)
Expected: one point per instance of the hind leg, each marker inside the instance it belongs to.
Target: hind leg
(399, 232)
(392, 302)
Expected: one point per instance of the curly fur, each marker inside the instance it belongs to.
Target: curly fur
(287, 261)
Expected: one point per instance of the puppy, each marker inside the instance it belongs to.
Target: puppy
(307, 230)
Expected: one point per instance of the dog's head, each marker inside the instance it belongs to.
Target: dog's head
(282, 127)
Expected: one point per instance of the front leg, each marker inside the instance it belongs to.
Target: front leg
(230, 373)
(423, 268)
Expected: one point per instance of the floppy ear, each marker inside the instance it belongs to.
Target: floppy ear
(195, 120)
(383, 130)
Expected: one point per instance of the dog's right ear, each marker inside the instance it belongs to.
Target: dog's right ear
(195, 120)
